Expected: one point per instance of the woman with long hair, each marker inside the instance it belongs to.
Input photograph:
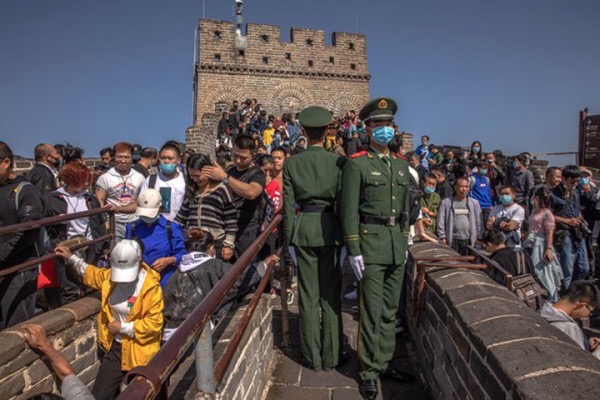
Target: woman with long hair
(540, 243)
(209, 205)
(476, 152)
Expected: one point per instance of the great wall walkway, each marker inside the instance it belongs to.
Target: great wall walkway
(291, 380)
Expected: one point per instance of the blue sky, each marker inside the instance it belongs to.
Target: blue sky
(512, 74)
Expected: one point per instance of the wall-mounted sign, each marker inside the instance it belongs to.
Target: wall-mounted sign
(589, 140)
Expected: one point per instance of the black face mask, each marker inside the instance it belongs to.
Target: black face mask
(57, 162)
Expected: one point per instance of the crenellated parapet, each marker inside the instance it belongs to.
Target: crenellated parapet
(284, 76)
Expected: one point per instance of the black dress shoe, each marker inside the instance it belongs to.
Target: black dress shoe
(368, 389)
(399, 376)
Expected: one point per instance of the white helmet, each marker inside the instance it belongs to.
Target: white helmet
(125, 261)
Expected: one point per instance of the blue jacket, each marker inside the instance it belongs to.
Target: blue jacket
(157, 244)
(258, 125)
(480, 190)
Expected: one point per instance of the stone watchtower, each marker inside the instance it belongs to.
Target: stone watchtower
(284, 77)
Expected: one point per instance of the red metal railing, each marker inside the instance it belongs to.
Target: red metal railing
(25, 226)
(146, 381)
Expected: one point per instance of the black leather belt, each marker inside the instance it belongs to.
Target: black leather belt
(372, 219)
(316, 208)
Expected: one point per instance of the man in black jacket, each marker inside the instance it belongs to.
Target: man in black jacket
(197, 274)
(20, 202)
(507, 257)
(44, 174)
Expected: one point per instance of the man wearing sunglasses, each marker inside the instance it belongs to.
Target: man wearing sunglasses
(581, 300)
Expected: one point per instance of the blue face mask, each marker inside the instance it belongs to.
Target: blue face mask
(168, 168)
(490, 160)
(382, 135)
(505, 199)
(584, 181)
(476, 149)
(429, 190)
(483, 172)
(515, 165)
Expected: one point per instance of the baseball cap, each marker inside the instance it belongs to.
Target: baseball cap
(125, 261)
(149, 202)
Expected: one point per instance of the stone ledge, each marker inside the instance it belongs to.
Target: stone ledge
(70, 329)
(510, 351)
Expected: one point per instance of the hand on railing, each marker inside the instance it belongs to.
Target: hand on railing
(63, 252)
(261, 267)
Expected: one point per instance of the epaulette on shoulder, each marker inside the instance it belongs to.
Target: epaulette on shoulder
(359, 154)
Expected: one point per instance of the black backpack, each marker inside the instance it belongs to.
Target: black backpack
(415, 194)
(524, 284)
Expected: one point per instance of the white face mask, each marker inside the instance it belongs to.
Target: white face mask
(149, 220)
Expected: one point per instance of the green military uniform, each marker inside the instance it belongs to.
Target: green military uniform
(374, 212)
(311, 179)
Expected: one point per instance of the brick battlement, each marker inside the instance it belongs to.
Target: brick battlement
(306, 53)
(283, 76)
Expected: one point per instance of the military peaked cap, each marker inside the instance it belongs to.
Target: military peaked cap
(379, 109)
(315, 117)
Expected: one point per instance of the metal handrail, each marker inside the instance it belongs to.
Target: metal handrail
(39, 223)
(235, 339)
(494, 267)
(146, 381)
(420, 282)
(50, 255)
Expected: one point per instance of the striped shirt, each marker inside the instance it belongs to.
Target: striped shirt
(215, 212)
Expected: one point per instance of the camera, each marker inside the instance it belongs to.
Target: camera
(585, 229)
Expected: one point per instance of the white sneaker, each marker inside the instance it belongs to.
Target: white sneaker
(353, 295)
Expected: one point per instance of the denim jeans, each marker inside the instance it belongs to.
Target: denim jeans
(574, 261)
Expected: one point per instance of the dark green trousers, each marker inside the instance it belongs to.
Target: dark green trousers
(319, 298)
(379, 295)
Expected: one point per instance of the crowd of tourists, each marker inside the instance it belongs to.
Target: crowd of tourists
(182, 218)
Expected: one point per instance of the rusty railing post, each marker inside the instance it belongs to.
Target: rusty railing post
(205, 366)
(285, 324)
(111, 228)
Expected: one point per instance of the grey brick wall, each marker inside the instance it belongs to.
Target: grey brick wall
(71, 330)
(476, 340)
(249, 371)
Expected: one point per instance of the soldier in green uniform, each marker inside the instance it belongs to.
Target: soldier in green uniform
(312, 179)
(374, 214)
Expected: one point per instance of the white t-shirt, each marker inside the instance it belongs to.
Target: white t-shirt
(172, 191)
(76, 203)
(513, 213)
(121, 300)
(121, 190)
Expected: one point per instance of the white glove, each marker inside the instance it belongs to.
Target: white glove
(358, 266)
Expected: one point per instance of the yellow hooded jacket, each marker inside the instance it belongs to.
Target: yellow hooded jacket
(146, 314)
